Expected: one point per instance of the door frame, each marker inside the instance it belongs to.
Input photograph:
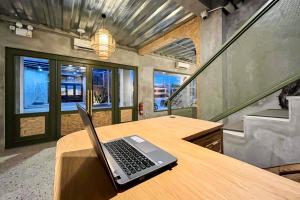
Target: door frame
(59, 112)
(54, 60)
(12, 123)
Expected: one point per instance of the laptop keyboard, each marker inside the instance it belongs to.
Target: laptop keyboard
(127, 157)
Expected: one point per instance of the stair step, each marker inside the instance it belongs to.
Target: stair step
(236, 126)
(274, 113)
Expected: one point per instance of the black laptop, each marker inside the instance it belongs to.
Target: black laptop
(127, 159)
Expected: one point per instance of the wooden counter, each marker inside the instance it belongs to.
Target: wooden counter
(200, 173)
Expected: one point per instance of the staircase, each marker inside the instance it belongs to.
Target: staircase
(256, 62)
(267, 138)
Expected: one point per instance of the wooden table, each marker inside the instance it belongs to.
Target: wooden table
(200, 173)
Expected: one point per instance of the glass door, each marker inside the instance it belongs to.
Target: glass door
(101, 96)
(42, 90)
(72, 89)
(30, 106)
(92, 88)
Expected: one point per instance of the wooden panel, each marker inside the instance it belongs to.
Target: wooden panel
(212, 141)
(126, 115)
(190, 29)
(102, 118)
(32, 126)
(200, 173)
(71, 123)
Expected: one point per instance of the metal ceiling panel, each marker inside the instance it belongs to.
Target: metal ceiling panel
(133, 23)
(183, 49)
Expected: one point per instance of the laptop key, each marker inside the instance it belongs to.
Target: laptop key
(128, 158)
(128, 172)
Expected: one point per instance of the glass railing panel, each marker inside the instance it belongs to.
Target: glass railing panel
(265, 55)
(259, 60)
(210, 92)
(185, 103)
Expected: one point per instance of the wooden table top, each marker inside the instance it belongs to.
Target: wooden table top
(200, 173)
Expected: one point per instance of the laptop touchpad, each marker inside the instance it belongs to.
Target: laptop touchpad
(146, 147)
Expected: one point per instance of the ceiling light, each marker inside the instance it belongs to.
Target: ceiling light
(19, 25)
(103, 43)
(29, 27)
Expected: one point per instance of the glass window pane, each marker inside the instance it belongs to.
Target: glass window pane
(32, 85)
(73, 87)
(126, 87)
(102, 88)
(165, 84)
(187, 97)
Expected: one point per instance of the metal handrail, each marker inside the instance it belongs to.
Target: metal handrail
(224, 47)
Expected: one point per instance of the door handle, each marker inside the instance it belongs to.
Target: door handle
(91, 103)
(88, 101)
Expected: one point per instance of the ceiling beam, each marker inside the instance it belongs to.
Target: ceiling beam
(194, 6)
(190, 29)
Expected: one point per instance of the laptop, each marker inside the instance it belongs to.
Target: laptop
(127, 160)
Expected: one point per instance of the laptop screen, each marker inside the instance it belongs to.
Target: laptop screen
(89, 127)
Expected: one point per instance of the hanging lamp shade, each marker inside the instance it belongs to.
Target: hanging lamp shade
(103, 43)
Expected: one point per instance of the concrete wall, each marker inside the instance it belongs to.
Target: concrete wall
(267, 141)
(269, 102)
(234, 21)
(59, 44)
(209, 92)
(222, 85)
(231, 23)
(265, 59)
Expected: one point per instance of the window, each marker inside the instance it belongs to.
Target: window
(102, 88)
(32, 85)
(165, 83)
(73, 86)
(126, 87)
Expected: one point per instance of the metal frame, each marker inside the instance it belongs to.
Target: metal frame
(224, 47)
(12, 137)
(53, 127)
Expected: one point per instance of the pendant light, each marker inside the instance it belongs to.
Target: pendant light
(102, 42)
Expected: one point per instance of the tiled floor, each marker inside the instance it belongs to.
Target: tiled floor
(27, 172)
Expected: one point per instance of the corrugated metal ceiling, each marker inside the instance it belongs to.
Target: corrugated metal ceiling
(133, 23)
(183, 49)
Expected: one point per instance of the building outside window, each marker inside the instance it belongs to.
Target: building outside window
(165, 84)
